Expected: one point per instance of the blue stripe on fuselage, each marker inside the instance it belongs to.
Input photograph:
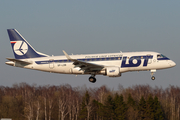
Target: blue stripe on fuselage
(84, 59)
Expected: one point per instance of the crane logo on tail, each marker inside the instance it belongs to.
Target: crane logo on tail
(20, 47)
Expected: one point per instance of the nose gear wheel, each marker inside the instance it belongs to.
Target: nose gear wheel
(153, 78)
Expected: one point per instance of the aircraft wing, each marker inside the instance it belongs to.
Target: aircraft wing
(84, 65)
(19, 61)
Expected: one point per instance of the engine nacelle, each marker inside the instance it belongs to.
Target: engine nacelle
(113, 72)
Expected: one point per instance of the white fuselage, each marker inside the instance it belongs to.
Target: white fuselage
(108, 64)
(127, 61)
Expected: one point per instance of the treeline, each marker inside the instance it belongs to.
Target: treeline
(139, 102)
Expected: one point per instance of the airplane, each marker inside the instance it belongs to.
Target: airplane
(108, 64)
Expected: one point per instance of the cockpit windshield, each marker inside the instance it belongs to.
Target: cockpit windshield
(161, 56)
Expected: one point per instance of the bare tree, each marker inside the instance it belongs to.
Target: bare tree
(101, 92)
(37, 101)
(51, 99)
(64, 93)
(44, 95)
(28, 110)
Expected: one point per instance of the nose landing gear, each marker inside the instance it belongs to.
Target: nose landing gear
(152, 72)
(153, 78)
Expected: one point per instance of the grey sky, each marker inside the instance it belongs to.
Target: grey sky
(82, 27)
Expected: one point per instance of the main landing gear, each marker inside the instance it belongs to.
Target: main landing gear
(152, 72)
(92, 79)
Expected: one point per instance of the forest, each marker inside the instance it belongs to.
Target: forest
(64, 102)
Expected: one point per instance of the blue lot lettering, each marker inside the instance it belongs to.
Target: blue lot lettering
(138, 59)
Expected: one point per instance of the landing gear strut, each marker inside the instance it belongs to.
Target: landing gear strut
(92, 79)
(152, 72)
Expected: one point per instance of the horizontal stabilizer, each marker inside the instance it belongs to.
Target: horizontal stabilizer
(19, 61)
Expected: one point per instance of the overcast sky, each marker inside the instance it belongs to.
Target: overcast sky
(95, 26)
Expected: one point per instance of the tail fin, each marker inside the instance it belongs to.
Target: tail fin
(21, 48)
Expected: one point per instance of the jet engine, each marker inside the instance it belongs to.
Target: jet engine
(112, 72)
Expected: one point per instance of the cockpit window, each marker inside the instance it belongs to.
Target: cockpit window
(161, 56)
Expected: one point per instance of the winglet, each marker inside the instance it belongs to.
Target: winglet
(67, 55)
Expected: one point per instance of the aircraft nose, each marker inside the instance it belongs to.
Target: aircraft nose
(172, 63)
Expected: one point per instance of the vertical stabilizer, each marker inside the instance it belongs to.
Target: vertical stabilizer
(21, 48)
